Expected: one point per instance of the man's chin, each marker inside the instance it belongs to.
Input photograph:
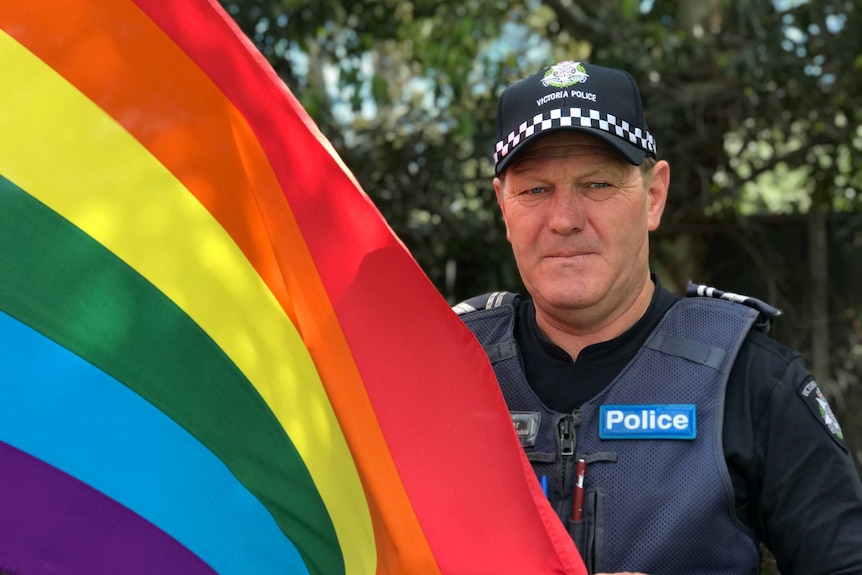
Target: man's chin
(563, 299)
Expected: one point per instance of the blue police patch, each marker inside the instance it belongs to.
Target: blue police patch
(674, 421)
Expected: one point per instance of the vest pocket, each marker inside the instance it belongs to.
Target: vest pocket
(589, 533)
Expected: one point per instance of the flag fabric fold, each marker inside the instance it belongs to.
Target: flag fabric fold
(215, 356)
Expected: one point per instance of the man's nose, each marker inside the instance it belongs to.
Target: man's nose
(567, 212)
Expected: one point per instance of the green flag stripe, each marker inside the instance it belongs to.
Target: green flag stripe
(67, 286)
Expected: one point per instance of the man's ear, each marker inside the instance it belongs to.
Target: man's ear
(657, 193)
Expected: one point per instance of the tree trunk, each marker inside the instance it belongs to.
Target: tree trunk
(818, 267)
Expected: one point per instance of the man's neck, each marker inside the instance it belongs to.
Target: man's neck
(575, 330)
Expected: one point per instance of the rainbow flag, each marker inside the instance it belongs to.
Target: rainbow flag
(215, 356)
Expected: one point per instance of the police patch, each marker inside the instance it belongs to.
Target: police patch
(675, 421)
(813, 397)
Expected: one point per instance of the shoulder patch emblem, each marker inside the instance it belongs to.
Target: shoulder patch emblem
(817, 403)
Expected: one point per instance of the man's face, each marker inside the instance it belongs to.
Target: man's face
(578, 216)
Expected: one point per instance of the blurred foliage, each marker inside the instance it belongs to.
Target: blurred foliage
(744, 97)
(406, 93)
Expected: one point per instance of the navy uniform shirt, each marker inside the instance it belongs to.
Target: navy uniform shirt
(794, 480)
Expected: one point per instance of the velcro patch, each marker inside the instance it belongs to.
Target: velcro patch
(527, 425)
(674, 421)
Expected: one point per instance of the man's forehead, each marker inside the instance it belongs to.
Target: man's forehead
(569, 143)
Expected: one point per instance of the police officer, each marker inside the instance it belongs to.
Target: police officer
(672, 434)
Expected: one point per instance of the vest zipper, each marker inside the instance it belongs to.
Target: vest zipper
(566, 438)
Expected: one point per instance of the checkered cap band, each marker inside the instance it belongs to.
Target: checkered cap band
(575, 117)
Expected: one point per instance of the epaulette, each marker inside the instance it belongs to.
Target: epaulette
(767, 313)
(486, 301)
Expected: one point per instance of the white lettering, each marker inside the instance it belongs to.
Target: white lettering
(565, 94)
(552, 96)
(614, 416)
(642, 422)
(584, 95)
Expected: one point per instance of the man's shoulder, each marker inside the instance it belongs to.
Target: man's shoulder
(487, 301)
(764, 346)
(761, 357)
(766, 313)
(766, 371)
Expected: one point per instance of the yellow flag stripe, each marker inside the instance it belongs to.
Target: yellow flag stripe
(77, 160)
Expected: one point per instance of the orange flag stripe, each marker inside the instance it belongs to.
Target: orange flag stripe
(137, 97)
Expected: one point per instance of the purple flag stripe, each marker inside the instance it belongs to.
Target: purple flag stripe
(54, 524)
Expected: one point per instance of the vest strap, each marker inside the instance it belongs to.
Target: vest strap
(687, 349)
(500, 351)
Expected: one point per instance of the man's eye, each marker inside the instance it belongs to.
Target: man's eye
(598, 191)
(534, 191)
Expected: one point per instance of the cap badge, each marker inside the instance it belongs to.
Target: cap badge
(565, 74)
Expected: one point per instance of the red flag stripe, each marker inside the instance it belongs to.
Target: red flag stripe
(354, 253)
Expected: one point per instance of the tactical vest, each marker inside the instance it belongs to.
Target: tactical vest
(657, 496)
